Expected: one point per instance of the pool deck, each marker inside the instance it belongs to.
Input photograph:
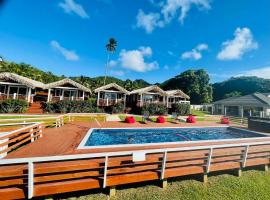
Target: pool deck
(65, 140)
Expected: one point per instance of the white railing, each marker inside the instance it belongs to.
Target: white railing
(33, 160)
(13, 139)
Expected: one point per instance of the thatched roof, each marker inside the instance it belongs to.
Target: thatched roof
(67, 81)
(112, 85)
(149, 89)
(179, 93)
(21, 79)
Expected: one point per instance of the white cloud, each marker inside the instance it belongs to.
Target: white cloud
(169, 10)
(234, 49)
(70, 6)
(261, 72)
(68, 54)
(135, 60)
(148, 21)
(196, 53)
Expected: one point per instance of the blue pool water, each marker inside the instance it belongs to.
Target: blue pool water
(100, 137)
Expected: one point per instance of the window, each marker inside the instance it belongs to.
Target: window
(148, 97)
(66, 93)
(58, 92)
(110, 95)
(2, 89)
(22, 90)
(13, 90)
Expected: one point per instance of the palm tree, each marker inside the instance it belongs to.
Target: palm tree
(1, 59)
(111, 48)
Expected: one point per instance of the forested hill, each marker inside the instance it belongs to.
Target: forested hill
(193, 82)
(240, 86)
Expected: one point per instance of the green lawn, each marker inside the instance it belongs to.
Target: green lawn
(199, 113)
(252, 185)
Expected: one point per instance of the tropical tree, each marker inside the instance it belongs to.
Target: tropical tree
(111, 48)
(1, 59)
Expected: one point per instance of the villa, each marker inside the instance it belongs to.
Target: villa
(14, 86)
(176, 96)
(111, 94)
(66, 89)
(150, 94)
(248, 105)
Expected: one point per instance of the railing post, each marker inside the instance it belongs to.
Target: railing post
(32, 135)
(245, 154)
(40, 131)
(105, 171)
(163, 167)
(30, 180)
(208, 165)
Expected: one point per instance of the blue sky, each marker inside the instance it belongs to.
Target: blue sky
(157, 39)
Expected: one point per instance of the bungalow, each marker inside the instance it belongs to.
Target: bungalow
(150, 94)
(111, 94)
(256, 104)
(66, 89)
(14, 86)
(176, 96)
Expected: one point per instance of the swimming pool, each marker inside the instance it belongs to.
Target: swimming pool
(113, 137)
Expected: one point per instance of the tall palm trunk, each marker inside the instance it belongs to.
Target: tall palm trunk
(106, 68)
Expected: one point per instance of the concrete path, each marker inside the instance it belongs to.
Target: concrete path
(113, 118)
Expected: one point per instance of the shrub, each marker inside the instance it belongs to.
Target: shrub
(13, 106)
(118, 108)
(154, 109)
(181, 109)
(71, 107)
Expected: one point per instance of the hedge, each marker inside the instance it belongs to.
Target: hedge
(154, 109)
(118, 108)
(181, 109)
(71, 107)
(13, 106)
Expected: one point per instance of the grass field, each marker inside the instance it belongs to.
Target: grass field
(252, 185)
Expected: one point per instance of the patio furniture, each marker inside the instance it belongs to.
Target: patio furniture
(130, 120)
(191, 119)
(161, 119)
(224, 120)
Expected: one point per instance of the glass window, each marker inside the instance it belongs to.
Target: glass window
(66, 93)
(73, 93)
(22, 90)
(2, 89)
(148, 97)
(58, 92)
(13, 90)
(110, 95)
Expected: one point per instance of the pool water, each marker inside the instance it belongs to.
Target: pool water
(102, 137)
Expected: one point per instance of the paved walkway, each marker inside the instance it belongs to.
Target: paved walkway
(113, 118)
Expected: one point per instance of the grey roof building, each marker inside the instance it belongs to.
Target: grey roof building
(248, 105)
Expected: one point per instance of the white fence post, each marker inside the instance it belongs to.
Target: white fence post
(209, 160)
(163, 165)
(30, 180)
(105, 172)
(2, 148)
(32, 135)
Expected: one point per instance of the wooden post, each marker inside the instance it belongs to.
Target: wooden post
(29, 95)
(239, 172)
(32, 135)
(49, 95)
(266, 168)
(141, 100)
(8, 90)
(112, 191)
(164, 183)
(98, 97)
(125, 98)
(83, 94)
(205, 178)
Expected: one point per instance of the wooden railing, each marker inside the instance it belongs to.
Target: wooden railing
(55, 99)
(109, 102)
(14, 139)
(40, 176)
(17, 96)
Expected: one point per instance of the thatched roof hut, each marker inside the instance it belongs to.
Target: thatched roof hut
(65, 82)
(178, 93)
(7, 76)
(149, 89)
(110, 86)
